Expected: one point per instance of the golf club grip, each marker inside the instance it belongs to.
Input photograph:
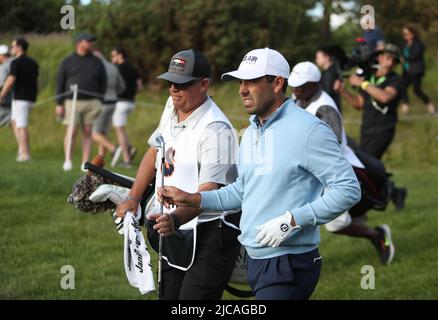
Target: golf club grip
(109, 175)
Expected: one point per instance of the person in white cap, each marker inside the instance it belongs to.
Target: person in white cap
(199, 251)
(292, 178)
(305, 82)
(5, 66)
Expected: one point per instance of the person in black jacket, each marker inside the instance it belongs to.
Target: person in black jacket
(413, 69)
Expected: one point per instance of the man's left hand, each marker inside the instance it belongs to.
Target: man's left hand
(164, 223)
(275, 231)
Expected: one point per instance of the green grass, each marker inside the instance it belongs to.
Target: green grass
(40, 232)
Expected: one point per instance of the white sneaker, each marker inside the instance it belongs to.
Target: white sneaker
(67, 166)
(22, 158)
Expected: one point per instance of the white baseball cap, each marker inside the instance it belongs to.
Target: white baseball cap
(4, 49)
(258, 63)
(302, 73)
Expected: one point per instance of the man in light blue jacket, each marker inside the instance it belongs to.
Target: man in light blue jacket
(292, 177)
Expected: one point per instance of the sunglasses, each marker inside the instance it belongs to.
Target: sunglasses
(182, 86)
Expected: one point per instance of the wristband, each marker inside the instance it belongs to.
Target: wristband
(364, 84)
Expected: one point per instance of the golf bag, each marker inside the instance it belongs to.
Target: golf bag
(375, 185)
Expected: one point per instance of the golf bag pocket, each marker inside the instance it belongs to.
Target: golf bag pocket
(178, 248)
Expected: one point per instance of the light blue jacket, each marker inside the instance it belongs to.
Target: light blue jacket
(293, 162)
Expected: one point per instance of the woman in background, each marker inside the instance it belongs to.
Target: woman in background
(413, 69)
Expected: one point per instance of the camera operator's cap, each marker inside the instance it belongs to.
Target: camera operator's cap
(186, 66)
(81, 36)
(302, 73)
(259, 63)
(392, 49)
(4, 49)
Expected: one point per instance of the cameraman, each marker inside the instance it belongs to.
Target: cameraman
(379, 96)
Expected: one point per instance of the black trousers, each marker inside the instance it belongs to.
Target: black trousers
(376, 144)
(415, 80)
(216, 252)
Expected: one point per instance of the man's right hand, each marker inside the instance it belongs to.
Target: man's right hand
(125, 206)
(59, 111)
(169, 196)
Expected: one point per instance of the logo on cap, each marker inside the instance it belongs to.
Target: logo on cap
(249, 59)
(177, 65)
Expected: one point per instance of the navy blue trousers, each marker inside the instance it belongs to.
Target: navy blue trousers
(287, 277)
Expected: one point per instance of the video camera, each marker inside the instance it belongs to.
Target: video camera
(362, 58)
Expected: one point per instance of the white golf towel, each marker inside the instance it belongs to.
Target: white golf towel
(136, 256)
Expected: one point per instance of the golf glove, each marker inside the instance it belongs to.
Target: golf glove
(276, 230)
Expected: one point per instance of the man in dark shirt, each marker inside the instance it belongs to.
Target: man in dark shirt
(22, 80)
(378, 97)
(87, 71)
(331, 76)
(124, 106)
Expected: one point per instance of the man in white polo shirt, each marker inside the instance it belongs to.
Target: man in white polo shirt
(200, 155)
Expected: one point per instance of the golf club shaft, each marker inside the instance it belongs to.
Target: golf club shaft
(160, 241)
(71, 126)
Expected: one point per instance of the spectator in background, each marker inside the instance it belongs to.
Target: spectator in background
(5, 66)
(374, 39)
(124, 106)
(379, 96)
(331, 76)
(413, 69)
(22, 79)
(115, 86)
(87, 71)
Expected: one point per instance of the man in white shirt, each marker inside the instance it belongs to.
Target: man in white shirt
(200, 155)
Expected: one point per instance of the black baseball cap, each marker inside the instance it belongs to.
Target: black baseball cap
(391, 49)
(186, 66)
(84, 36)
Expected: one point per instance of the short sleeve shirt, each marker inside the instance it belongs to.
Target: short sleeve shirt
(379, 117)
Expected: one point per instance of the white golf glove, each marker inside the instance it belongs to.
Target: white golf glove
(276, 230)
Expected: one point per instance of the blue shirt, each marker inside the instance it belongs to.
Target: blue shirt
(293, 162)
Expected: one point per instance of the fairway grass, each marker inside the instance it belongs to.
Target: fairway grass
(41, 232)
